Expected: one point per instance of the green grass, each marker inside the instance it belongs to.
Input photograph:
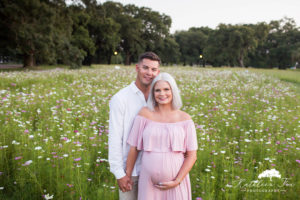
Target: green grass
(291, 76)
(247, 121)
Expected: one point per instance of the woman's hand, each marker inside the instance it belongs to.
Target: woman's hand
(125, 183)
(167, 185)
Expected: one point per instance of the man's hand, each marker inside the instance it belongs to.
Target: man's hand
(125, 184)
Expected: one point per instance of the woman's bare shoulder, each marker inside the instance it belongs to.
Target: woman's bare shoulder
(183, 115)
(146, 112)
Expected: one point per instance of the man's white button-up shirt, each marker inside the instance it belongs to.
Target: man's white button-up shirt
(124, 106)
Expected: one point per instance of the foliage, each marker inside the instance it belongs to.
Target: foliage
(192, 44)
(86, 32)
(168, 50)
(28, 26)
(230, 44)
(280, 47)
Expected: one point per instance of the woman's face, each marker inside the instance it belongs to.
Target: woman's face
(163, 93)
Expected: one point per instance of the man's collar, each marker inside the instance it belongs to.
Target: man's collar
(134, 88)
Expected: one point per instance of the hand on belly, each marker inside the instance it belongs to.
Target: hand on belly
(161, 175)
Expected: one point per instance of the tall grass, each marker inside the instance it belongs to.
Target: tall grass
(53, 136)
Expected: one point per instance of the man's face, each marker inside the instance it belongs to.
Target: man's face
(147, 70)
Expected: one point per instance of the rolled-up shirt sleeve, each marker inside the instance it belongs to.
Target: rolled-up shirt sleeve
(115, 137)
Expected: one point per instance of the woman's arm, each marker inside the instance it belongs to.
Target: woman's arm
(132, 155)
(189, 161)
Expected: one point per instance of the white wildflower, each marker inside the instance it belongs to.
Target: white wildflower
(38, 148)
(15, 142)
(247, 140)
(27, 163)
(47, 196)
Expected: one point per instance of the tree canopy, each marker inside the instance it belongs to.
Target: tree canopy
(87, 32)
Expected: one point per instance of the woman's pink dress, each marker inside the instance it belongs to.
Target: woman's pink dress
(163, 146)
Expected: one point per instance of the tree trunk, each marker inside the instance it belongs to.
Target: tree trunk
(241, 61)
(29, 60)
(127, 61)
(87, 60)
(108, 57)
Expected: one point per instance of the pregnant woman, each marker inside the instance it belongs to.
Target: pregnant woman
(167, 138)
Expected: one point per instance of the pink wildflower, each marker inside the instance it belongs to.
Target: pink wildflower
(18, 157)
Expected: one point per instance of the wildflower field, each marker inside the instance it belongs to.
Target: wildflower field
(54, 126)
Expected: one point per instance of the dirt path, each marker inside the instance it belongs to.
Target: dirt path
(10, 66)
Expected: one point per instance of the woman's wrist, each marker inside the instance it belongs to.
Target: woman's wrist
(128, 173)
(177, 180)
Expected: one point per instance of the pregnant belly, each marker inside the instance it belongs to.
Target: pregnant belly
(161, 167)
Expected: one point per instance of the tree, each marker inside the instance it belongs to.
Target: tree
(230, 44)
(65, 51)
(144, 30)
(80, 34)
(129, 29)
(141, 29)
(192, 44)
(259, 57)
(105, 31)
(155, 27)
(168, 51)
(131, 33)
(50, 32)
(29, 28)
(243, 41)
(296, 56)
(39, 31)
(214, 51)
(283, 40)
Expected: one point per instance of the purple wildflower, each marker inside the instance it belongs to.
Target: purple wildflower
(77, 159)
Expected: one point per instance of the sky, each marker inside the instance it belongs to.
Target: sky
(197, 13)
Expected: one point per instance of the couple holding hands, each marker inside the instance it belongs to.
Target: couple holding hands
(152, 143)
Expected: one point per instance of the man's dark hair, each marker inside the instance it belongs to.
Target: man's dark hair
(149, 55)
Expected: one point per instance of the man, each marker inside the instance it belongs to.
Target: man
(124, 106)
